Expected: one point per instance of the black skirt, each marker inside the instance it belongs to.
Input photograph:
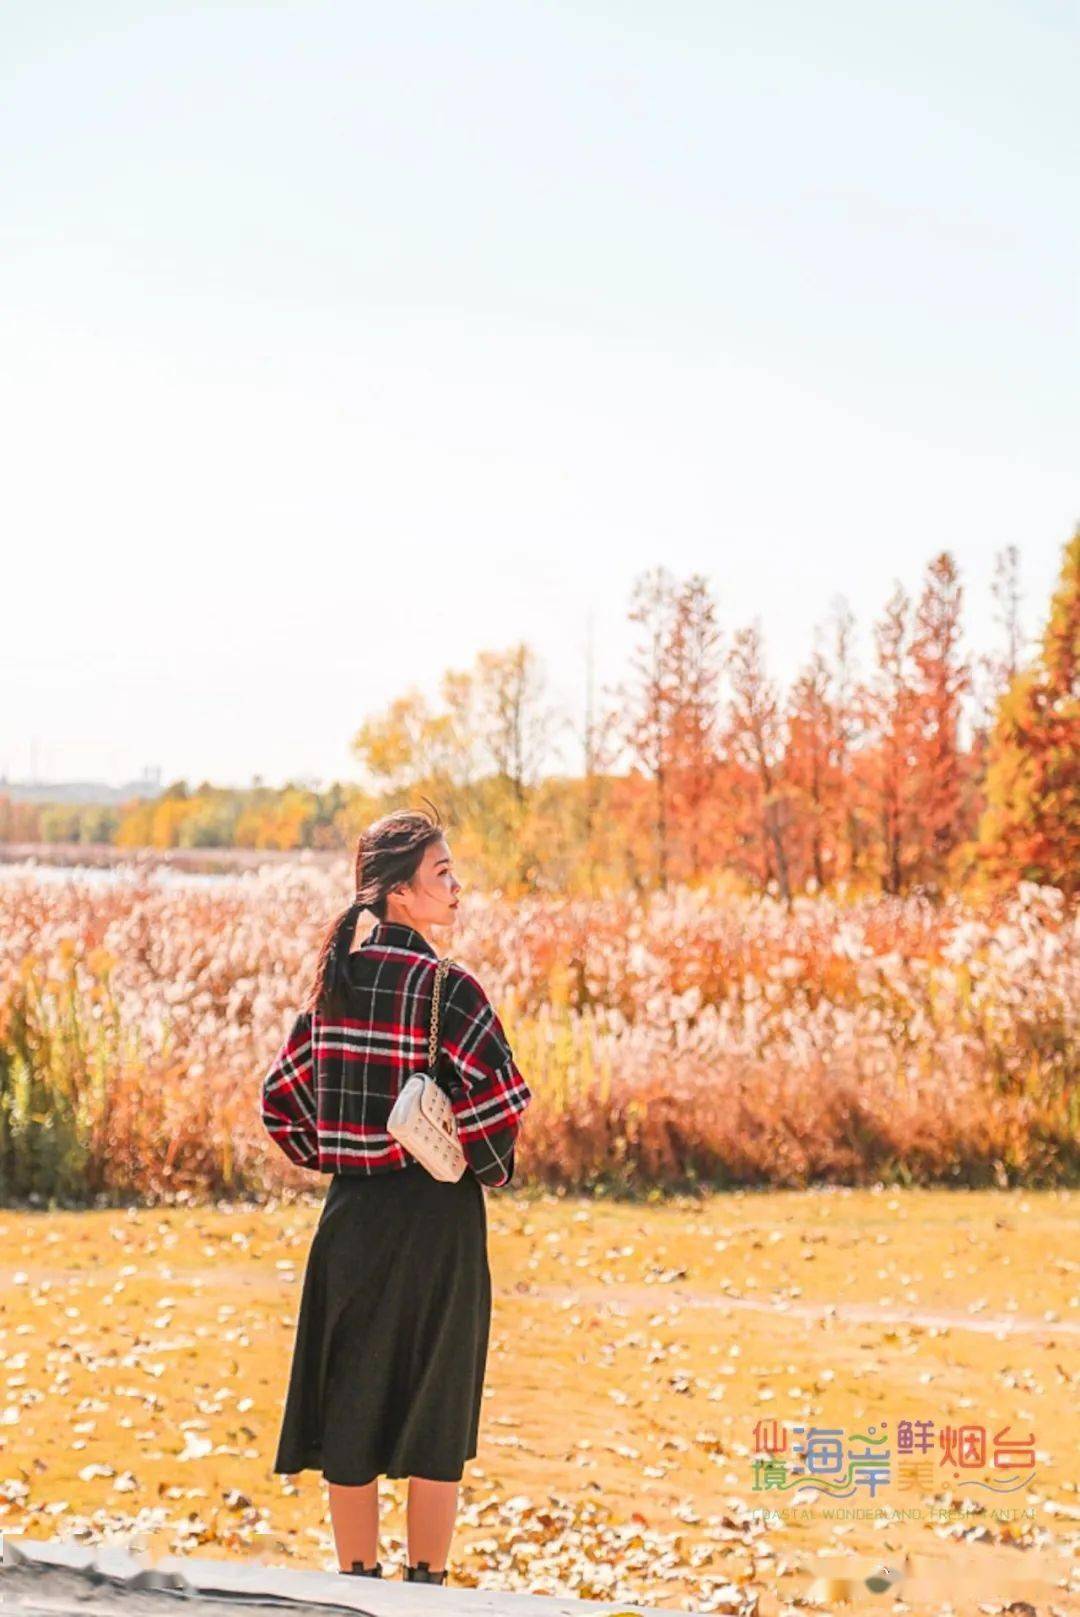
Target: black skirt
(392, 1331)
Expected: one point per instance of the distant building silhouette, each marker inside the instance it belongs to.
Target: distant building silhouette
(81, 791)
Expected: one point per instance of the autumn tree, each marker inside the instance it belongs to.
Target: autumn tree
(694, 655)
(284, 822)
(515, 725)
(648, 701)
(394, 748)
(19, 822)
(414, 746)
(666, 718)
(941, 677)
(812, 764)
(478, 755)
(892, 713)
(994, 670)
(456, 758)
(590, 809)
(849, 723)
(1031, 826)
(753, 734)
(1007, 598)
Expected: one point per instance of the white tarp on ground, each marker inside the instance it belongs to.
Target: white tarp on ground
(163, 1582)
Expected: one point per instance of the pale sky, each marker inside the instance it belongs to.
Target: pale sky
(341, 342)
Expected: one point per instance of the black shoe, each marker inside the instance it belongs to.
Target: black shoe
(359, 1570)
(423, 1574)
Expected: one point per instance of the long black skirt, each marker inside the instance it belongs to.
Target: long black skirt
(392, 1331)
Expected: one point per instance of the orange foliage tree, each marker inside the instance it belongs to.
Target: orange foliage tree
(892, 712)
(1030, 829)
(939, 767)
(695, 667)
(763, 804)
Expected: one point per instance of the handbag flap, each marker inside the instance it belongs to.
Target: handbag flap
(435, 1107)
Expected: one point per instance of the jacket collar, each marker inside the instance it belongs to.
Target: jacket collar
(394, 935)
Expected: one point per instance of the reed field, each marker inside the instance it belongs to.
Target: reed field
(698, 1038)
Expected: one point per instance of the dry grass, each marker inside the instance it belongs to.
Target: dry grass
(633, 1349)
(694, 1038)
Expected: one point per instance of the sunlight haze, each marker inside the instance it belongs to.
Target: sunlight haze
(343, 342)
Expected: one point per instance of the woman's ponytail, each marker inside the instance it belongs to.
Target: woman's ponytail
(327, 984)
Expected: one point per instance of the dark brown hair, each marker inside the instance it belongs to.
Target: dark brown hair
(388, 853)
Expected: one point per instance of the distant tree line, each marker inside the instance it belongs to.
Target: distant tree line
(927, 770)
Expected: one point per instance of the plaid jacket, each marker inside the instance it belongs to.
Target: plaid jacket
(327, 1096)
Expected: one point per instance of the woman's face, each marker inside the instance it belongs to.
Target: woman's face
(432, 898)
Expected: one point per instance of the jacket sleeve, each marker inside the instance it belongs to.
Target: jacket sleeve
(490, 1093)
(288, 1097)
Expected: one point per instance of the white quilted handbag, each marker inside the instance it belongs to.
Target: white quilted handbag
(422, 1118)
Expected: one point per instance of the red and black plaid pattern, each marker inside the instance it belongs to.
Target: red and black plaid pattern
(327, 1097)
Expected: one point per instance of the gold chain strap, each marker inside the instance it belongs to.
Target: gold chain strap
(433, 1032)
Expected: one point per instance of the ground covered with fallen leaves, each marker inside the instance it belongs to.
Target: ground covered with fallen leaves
(635, 1349)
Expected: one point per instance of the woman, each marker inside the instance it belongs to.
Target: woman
(392, 1331)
